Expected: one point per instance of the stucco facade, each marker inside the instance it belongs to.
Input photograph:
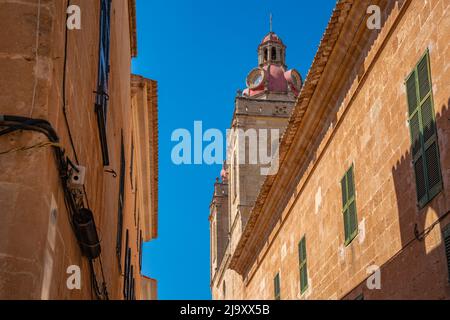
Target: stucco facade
(52, 73)
(353, 112)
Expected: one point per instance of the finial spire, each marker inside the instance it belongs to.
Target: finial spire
(271, 22)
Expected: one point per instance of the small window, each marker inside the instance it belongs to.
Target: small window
(141, 249)
(422, 124)
(274, 54)
(277, 287)
(349, 206)
(135, 206)
(214, 241)
(129, 282)
(133, 288)
(235, 177)
(127, 264)
(266, 55)
(131, 285)
(101, 102)
(121, 201)
(138, 226)
(132, 163)
(303, 265)
(447, 248)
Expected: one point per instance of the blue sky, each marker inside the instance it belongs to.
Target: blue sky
(200, 52)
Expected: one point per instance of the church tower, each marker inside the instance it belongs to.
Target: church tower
(260, 117)
(264, 106)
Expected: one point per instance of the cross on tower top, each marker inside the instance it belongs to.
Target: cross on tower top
(271, 22)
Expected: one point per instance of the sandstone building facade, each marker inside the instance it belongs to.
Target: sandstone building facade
(362, 188)
(78, 153)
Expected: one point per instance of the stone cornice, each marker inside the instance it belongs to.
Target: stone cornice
(223, 266)
(152, 157)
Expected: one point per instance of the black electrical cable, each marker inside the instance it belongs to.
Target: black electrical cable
(14, 123)
(94, 283)
(27, 122)
(64, 97)
(105, 289)
(420, 236)
(101, 293)
(25, 128)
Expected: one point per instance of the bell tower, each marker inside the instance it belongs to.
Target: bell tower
(260, 118)
(272, 51)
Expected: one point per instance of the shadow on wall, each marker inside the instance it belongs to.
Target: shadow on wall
(419, 270)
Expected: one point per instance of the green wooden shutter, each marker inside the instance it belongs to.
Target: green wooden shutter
(121, 201)
(424, 144)
(349, 206)
(303, 265)
(277, 289)
(345, 211)
(423, 77)
(412, 94)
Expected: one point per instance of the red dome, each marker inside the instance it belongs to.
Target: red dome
(276, 81)
(271, 36)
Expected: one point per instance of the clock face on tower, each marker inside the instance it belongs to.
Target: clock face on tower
(255, 78)
(296, 79)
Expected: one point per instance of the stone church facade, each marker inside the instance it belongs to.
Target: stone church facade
(358, 207)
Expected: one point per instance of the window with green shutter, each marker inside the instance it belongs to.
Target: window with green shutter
(276, 285)
(422, 124)
(303, 265)
(349, 206)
